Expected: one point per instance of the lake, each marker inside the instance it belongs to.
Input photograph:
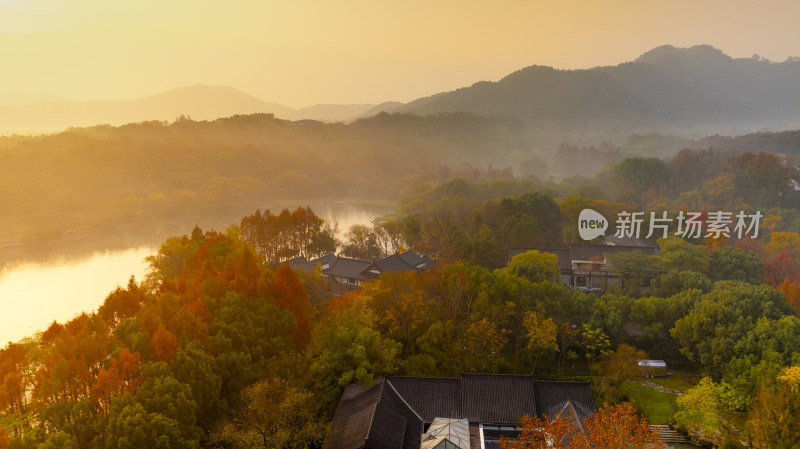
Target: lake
(33, 294)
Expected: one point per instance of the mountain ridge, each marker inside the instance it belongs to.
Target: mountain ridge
(666, 89)
(698, 88)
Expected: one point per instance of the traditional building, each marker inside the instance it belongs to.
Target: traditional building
(470, 412)
(587, 266)
(348, 274)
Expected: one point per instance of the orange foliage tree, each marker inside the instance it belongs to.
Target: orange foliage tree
(615, 426)
(546, 433)
(619, 426)
(779, 268)
(291, 296)
(164, 344)
(123, 376)
(791, 289)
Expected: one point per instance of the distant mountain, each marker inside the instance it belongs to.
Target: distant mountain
(43, 114)
(698, 88)
(388, 106)
(198, 102)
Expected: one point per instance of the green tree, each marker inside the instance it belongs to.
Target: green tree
(708, 334)
(274, 414)
(535, 266)
(361, 242)
(734, 264)
(703, 410)
(674, 282)
(678, 254)
(196, 368)
(131, 426)
(345, 348)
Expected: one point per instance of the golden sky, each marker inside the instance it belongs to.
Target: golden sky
(302, 52)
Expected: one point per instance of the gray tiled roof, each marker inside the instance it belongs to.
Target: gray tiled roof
(393, 263)
(431, 397)
(392, 413)
(498, 399)
(551, 396)
(327, 259)
(349, 268)
(377, 418)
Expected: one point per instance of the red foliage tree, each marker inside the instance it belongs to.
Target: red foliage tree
(779, 269)
(123, 376)
(292, 296)
(164, 344)
(612, 427)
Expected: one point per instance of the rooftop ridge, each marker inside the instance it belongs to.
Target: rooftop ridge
(388, 381)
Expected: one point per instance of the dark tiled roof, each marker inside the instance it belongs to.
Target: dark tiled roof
(388, 430)
(498, 399)
(353, 417)
(301, 263)
(430, 397)
(328, 259)
(393, 263)
(391, 414)
(395, 425)
(417, 261)
(552, 396)
(588, 252)
(377, 418)
(349, 268)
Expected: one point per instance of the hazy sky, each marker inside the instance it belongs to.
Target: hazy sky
(299, 52)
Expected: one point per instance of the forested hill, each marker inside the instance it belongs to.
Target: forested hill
(103, 177)
(667, 88)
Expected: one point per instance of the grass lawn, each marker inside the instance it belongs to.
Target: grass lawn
(678, 380)
(656, 406)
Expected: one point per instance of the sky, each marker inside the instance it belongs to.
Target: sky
(301, 52)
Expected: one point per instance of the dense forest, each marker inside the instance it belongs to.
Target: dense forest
(223, 345)
(151, 180)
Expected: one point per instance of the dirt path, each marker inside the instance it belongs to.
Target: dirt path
(657, 387)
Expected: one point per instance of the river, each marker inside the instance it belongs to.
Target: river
(35, 293)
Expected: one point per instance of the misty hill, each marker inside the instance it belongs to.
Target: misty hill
(42, 114)
(667, 88)
(199, 102)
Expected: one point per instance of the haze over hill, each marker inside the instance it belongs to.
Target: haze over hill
(667, 89)
(43, 114)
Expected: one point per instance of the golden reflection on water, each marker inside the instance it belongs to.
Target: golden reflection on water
(32, 295)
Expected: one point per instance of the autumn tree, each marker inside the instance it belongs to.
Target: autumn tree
(617, 367)
(559, 432)
(616, 426)
(703, 410)
(164, 344)
(123, 376)
(779, 269)
(542, 334)
(291, 296)
(620, 426)
(535, 266)
(774, 419)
